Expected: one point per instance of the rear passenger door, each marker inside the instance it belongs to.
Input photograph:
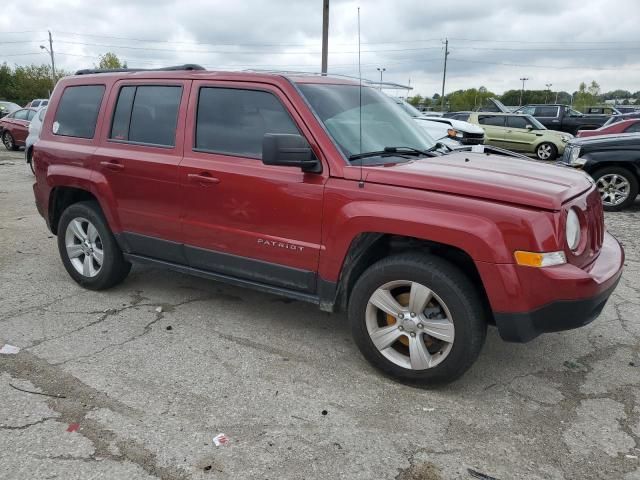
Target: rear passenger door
(138, 160)
(240, 217)
(494, 129)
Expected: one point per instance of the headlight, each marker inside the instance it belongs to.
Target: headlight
(575, 159)
(572, 230)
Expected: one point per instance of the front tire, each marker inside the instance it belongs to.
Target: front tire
(618, 188)
(9, 142)
(417, 318)
(546, 151)
(88, 249)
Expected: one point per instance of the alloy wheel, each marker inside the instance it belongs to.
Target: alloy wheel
(7, 139)
(84, 247)
(410, 325)
(544, 151)
(614, 189)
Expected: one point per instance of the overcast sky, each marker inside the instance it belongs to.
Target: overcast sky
(492, 43)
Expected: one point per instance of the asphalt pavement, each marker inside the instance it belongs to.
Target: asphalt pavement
(135, 382)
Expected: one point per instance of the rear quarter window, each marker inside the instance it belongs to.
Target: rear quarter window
(78, 110)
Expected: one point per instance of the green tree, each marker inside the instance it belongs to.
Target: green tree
(110, 60)
(416, 100)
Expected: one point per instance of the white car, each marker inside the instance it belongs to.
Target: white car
(34, 134)
(438, 127)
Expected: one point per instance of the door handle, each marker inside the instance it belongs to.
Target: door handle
(202, 178)
(112, 165)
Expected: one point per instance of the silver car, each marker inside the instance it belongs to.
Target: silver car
(34, 134)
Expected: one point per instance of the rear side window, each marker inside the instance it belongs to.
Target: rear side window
(78, 110)
(494, 120)
(461, 116)
(20, 115)
(31, 114)
(234, 122)
(147, 114)
(546, 111)
(633, 128)
(517, 122)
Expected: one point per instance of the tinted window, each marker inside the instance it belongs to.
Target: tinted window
(546, 111)
(35, 103)
(44, 102)
(495, 120)
(147, 114)
(527, 110)
(31, 114)
(517, 122)
(461, 116)
(235, 121)
(20, 115)
(78, 110)
(633, 128)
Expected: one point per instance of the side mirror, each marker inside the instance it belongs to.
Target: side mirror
(289, 150)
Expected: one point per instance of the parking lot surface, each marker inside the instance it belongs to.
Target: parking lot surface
(136, 381)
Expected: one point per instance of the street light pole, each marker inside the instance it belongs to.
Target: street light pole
(53, 61)
(523, 79)
(444, 71)
(548, 85)
(381, 70)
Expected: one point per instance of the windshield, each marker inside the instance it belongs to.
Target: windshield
(384, 124)
(407, 107)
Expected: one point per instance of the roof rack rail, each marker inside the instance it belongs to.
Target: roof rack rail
(187, 66)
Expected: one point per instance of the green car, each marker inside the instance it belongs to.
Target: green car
(520, 133)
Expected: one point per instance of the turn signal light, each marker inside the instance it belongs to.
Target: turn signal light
(534, 259)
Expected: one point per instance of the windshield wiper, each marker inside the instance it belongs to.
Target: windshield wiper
(390, 151)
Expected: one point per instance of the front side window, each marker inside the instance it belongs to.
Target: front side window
(147, 114)
(31, 114)
(234, 122)
(363, 122)
(527, 110)
(546, 111)
(78, 110)
(492, 120)
(517, 122)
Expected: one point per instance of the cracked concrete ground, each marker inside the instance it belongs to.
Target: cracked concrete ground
(147, 400)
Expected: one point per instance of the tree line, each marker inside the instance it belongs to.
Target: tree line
(470, 99)
(21, 84)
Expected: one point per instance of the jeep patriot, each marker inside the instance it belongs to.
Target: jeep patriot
(322, 190)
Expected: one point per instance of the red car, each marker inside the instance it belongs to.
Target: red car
(324, 191)
(625, 126)
(14, 128)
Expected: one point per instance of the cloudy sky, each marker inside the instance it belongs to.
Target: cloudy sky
(492, 43)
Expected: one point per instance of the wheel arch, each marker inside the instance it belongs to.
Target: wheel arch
(369, 247)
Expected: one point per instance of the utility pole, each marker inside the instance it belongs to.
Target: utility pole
(53, 62)
(444, 72)
(523, 79)
(548, 85)
(325, 34)
(381, 70)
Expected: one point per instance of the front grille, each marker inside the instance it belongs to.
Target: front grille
(472, 138)
(567, 154)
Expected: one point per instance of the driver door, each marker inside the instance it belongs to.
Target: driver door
(517, 136)
(240, 217)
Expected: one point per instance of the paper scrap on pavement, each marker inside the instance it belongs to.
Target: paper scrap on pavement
(9, 349)
(220, 439)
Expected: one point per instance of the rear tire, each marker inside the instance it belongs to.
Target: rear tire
(546, 151)
(453, 311)
(9, 142)
(30, 160)
(618, 188)
(88, 249)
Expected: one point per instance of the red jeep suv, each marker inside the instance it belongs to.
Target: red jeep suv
(323, 190)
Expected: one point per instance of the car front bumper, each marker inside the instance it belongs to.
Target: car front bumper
(527, 301)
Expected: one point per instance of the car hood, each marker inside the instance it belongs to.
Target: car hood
(611, 139)
(492, 177)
